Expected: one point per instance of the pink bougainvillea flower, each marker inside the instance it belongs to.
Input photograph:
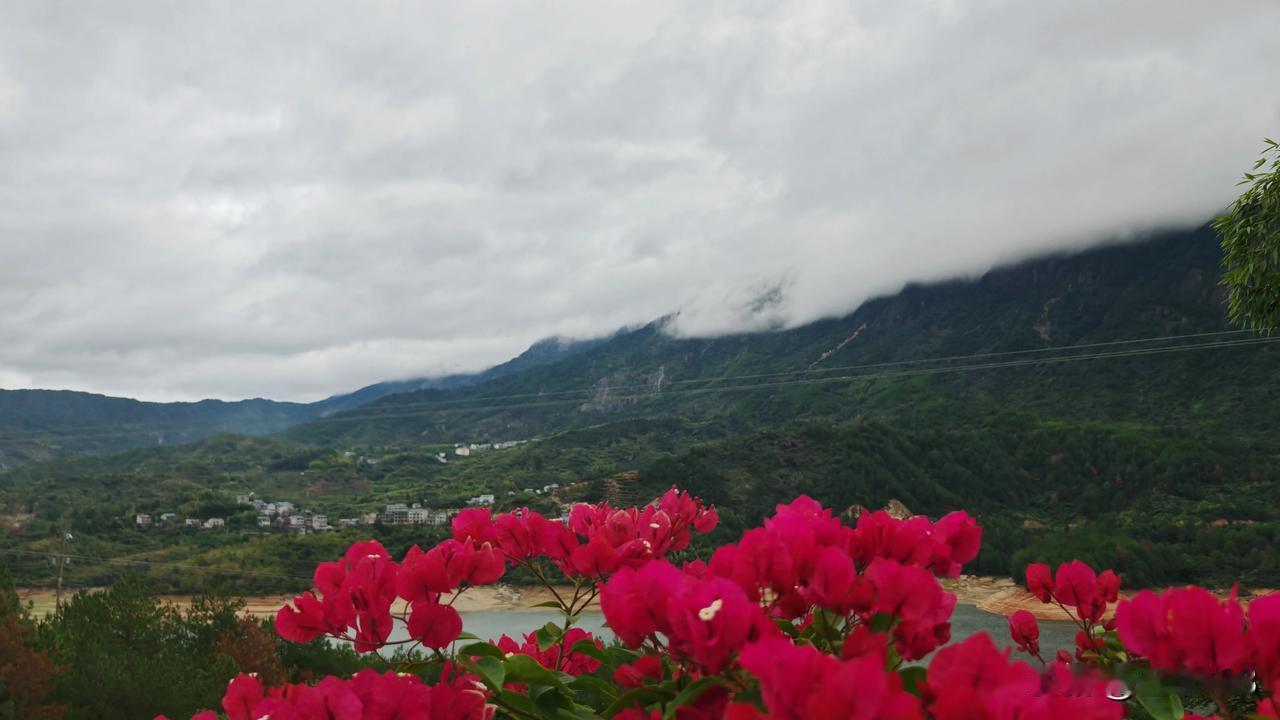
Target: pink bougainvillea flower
(913, 596)
(634, 602)
(1040, 581)
(474, 524)
(1185, 631)
(973, 679)
(243, 693)
(1025, 632)
(956, 541)
(632, 675)
(798, 682)
(711, 620)
(434, 625)
(1264, 639)
(573, 663)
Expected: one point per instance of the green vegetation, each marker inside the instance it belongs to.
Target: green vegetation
(122, 653)
(1159, 506)
(1156, 458)
(1251, 246)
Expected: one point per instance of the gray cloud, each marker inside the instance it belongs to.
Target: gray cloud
(293, 199)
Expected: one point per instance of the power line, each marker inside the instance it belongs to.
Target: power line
(450, 406)
(804, 381)
(787, 383)
(818, 381)
(807, 371)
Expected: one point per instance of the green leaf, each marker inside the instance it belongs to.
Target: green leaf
(689, 694)
(481, 649)
(548, 703)
(522, 668)
(468, 636)
(547, 604)
(591, 683)
(548, 635)
(577, 712)
(592, 650)
(787, 627)
(913, 679)
(517, 700)
(640, 697)
(1161, 702)
(492, 670)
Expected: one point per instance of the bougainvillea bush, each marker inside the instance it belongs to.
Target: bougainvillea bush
(804, 617)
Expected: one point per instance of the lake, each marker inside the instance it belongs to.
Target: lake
(965, 621)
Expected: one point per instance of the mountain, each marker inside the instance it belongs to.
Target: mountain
(1000, 329)
(1092, 405)
(44, 424)
(544, 352)
(40, 424)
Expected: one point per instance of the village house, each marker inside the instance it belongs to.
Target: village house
(320, 522)
(395, 514)
(214, 523)
(193, 522)
(264, 521)
(462, 451)
(142, 519)
(439, 517)
(168, 517)
(481, 500)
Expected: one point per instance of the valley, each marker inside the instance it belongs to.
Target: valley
(1093, 406)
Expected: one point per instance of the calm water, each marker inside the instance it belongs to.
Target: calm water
(966, 621)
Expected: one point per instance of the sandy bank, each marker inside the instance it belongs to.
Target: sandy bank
(480, 599)
(999, 596)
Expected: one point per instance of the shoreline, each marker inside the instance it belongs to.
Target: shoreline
(997, 596)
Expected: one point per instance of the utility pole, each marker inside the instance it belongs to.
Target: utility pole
(62, 563)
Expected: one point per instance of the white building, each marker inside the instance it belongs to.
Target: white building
(168, 517)
(481, 500)
(348, 522)
(416, 515)
(193, 522)
(297, 521)
(264, 521)
(319, 522)
(439, 517)
(369, 518)
(214, 523)
(142, 519)
(395, 514)
(244, 499)
(462, 451)
(284, 508)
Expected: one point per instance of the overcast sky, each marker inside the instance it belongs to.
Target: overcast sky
(279, 199)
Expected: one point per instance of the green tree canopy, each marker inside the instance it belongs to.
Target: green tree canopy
(1250, 233)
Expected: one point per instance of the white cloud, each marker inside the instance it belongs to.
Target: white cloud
(295, 199)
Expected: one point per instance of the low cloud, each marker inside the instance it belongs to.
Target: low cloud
(295, 199)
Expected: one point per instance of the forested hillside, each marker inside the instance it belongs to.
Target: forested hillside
(45, 424)
(876, 362)
(42, 424)
(1095, 405)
